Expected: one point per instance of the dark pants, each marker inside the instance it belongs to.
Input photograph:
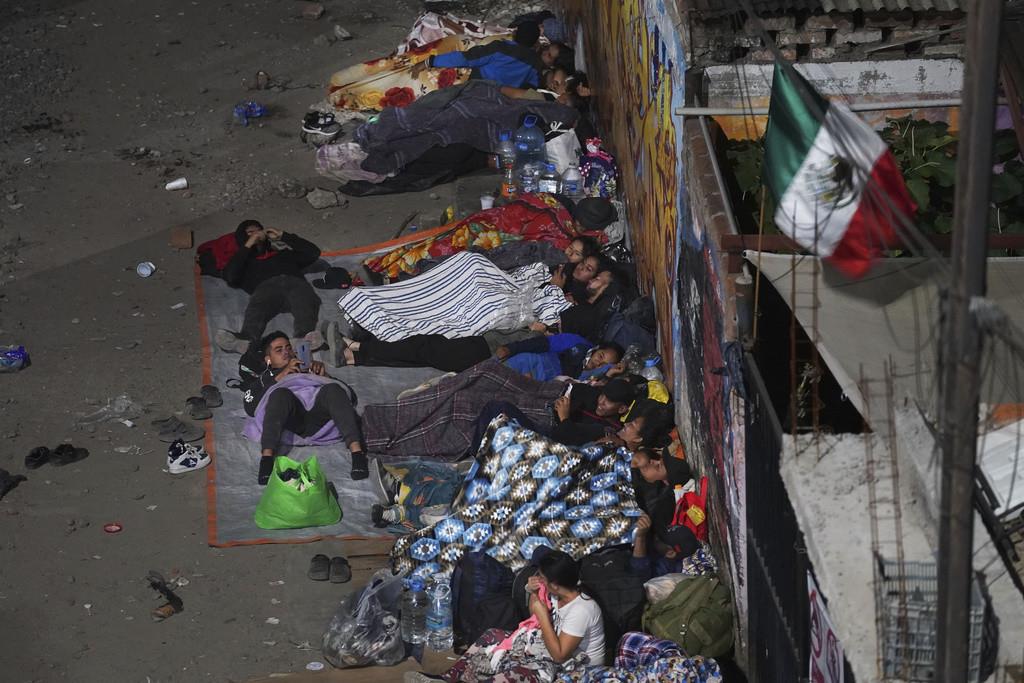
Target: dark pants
(281, 294)
(493, 409)
(285, 411)
(424, 350)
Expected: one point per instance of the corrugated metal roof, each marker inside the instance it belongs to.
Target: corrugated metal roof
(765, 7)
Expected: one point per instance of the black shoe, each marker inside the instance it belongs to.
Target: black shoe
(65, 454)
(37, 457)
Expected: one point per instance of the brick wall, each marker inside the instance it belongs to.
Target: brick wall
(823, 38)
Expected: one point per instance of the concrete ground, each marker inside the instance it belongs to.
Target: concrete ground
(101, 103)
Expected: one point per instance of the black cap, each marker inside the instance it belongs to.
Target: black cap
(619, 391)
(336, 277)
(677, 469)
(594, 213)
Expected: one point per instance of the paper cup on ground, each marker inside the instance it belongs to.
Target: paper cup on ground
(179, 184)
(486, 202)
(145, 269)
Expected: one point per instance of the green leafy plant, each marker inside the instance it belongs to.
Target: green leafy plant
(925, 152)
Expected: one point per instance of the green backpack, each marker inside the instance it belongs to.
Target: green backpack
(697, 616)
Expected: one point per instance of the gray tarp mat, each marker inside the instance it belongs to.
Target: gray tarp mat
(232, 489)
(893, 314)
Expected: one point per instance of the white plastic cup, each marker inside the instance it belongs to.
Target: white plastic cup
(486, 202)
(145, 269)
(179, 184)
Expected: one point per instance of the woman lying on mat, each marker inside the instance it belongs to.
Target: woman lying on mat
(282, 396)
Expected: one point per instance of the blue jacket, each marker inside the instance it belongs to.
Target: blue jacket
(545, 358)
(503, 61)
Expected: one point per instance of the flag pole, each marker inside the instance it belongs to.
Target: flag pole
(960, 364)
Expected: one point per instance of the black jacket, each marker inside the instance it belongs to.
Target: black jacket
(247, 272)
(256, 378)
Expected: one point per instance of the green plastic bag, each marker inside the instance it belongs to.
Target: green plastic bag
(283, 506)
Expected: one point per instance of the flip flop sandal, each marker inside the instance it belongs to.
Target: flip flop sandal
(167, 425)
(197, 408)
(340, 571)
(319, 568)
(65, 454)
(37, 457)
(185, 432)
(266, 469)
(211, 395)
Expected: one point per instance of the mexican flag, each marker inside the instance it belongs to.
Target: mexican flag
(837, 189)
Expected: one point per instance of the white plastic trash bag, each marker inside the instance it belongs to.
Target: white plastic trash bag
(660, 587)
(563, 150)
(366, 629)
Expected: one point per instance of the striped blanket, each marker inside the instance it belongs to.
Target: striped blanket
(465, 295)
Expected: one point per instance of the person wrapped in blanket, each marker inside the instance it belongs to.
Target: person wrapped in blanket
(506, 62)
(564, 633)
(289, 402)
(414, 495)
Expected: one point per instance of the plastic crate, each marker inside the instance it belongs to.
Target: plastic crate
(908, 650)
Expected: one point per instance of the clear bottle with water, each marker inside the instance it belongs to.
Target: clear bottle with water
(414, 612)
(506, 151)
(633, 360)
(439, 617)
(572, 182)
(529, 143)
(549, 180)
(529, 178)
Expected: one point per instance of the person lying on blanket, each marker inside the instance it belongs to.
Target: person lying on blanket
(565, 633)
(268, 265)
(660, 546)
(588, 315)
(546, 357)
(506, 62)
(281, 396)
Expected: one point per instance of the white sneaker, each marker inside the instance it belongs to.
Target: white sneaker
(186, 457)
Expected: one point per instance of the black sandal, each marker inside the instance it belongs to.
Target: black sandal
(340, 571)
(266, 469)
(65, 454)
(197, 408)
(37, 457)
(360, 466)
(319, 568)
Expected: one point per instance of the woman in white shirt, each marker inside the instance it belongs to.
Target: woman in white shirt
(573, 623)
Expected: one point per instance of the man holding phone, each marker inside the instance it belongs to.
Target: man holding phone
(269, 265)
(283, 397)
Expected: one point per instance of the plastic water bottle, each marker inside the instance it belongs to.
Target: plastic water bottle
(529, 143)
(509, 188)
(632, 361)
(506, 151)
(572, 182)
(414, 613)
(439, 617)
(529, 178)
(651, 372)
(549, 180)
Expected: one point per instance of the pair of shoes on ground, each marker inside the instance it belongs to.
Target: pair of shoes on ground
(334, 569)
(172, 429)
(185, 457)
(64, 454)
(230, 342)
(198, 407)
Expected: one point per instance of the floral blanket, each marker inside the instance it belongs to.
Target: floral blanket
(523, 491)
(536, 217)
(388, 81)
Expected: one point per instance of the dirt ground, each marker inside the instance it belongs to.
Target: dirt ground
(101, 103)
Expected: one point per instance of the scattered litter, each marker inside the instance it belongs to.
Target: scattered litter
(145, 269)
(275, 601)
(279, 582)
(128, 449)
(119, 408)
(127, 423)
(113, 527)
(270, 643)
(178, 305)
(341, 34)
(13, 358)
(97, 557)
(177, 184)
(249, 110)
(75, 321)
(303, 645)
(274, 621)
(151, 507)
(315, 666)
(87, 605)
(180, 581)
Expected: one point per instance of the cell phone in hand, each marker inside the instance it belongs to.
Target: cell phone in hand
(303, 353)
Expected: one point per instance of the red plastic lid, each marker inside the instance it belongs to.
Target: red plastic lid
(112, 527)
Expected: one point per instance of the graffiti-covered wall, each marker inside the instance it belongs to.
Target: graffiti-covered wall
(636, 62)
